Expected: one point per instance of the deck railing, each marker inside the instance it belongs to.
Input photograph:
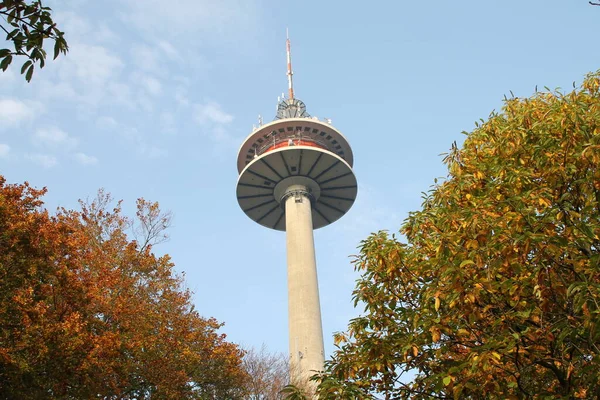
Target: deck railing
(276, 143)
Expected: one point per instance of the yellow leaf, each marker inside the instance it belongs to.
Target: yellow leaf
(472, 244)
(435, 333)
(543, 202)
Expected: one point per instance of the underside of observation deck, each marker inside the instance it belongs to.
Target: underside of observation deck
(334, 176)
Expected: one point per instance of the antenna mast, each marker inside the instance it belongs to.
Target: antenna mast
(289, 65)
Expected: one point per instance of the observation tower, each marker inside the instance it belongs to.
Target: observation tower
(295, 175)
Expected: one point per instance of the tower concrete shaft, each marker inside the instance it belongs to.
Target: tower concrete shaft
(295, 175)
(305, 329)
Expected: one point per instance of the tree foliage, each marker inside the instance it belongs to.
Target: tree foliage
(496, 292)
(267, 373)
(294, 392)
(27, 23)
(87, 313)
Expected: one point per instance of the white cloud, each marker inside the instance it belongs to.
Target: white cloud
(167, 122)
(152, 85)
(13, 112)
(84, 77)
(45, 160)
(62, 90)
(73, 24)
(181, 98)
(145, 103)
(85, 159)
(151, 151)
(211, 113)
(152, 58)
(215, 123)
(106, 122)
(141, 143)
(92, 65)
(7, 76)
(146, 58)
(221, 20)
(121, 94)
(78, 27)
(54, 137)
(4, 150)
(105, 35)
(222, 137)
(169, 50)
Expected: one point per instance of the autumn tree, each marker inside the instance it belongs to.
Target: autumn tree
(27, 24)
(268, 374)
(495, 292)
(88, 313)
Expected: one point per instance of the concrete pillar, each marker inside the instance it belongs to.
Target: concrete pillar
(305, 329)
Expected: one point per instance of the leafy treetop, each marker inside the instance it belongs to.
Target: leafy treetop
(496, 292)
(88, 313)
(27, 24)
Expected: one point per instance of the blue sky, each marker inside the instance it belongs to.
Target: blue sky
(155, 98)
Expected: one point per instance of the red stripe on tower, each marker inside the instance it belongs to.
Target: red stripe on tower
(289, 66)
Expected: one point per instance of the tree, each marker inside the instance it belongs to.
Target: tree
(87, 313)
(268, 374)
(27, 23)
(294, 392)
(496, 292)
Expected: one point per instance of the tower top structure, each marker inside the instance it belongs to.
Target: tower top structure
(295, 147)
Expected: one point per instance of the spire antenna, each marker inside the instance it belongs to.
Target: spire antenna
(289, 65)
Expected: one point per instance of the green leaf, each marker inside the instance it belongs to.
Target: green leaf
(25, 66)
(466, 262)
(29, 73)
(587, 231)
(12, 34)
(5, 62)
(447, 380)
(57, 46)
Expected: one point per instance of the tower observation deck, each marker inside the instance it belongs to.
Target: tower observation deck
(295, 175)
